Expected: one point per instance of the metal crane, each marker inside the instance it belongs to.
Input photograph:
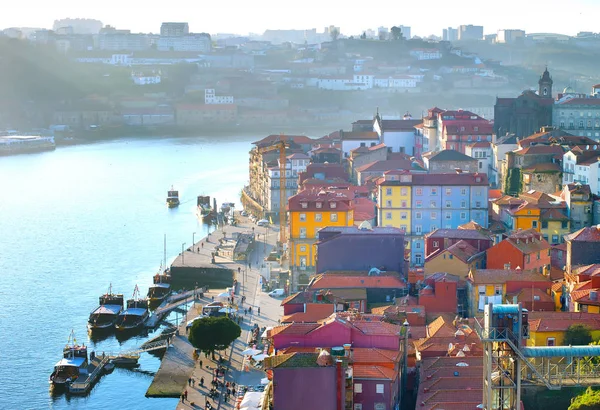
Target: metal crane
(281, 146)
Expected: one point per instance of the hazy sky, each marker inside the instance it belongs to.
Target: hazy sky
(353, 16)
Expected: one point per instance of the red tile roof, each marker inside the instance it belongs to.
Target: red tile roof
(441, 179)
(501, 276)
(458, 234)
(314, 313)
(352, 136)
(556, 323)
(298, 139)
(332, 280)
(374, 355)
(462, 250)
(587, 234)
(373, 372)
(386, 165)
(293, 329)
(312, 197)
(527, 241)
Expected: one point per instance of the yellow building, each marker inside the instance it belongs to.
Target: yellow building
(458, 259)
(549, 328)
(309, 211)
(554, 225)
(394, 200)
(527, 216)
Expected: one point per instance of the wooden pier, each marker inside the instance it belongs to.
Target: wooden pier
(84, 385)
(170, 304)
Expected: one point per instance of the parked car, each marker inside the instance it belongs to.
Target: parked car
(244, 213)
(263, 222)
(277, 293)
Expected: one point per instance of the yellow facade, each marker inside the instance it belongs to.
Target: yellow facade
(490, 290)
(542, 338)
(554, 230)
(394, 205)
(527, 218)
(588, 308)
(446, 262)
(304, 226)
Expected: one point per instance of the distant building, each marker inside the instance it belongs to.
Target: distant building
(459, 128)
(78, 26)
(582, 247)
(579, 112)
(110, 38)
(174, 29)
(405, 30)
(450, 34)
(510, 36)
(470, 32)
(582, 165)
(449, 161)
(211, 98)
(189, 42)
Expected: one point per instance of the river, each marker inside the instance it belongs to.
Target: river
(74, 220)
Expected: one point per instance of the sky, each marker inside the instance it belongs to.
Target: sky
(352, 16)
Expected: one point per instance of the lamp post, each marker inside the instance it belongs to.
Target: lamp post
(193, 240)
(182, 253)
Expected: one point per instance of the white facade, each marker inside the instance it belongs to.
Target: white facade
(295, 164)
(366, 79)
(143, 79)
(211, 98)
(349, 145)
(587, 172)
(192, 42)
(340, 84)
(395, 82)
(485, 158)
(426, 53)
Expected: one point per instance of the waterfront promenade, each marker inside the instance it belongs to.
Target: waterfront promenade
(271, 312)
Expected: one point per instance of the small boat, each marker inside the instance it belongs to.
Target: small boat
(135, 315)
(161, 287)
(126, 361)
(105, 315)
(108, 368)
(203, 206)
(172, 198)
(73, 364)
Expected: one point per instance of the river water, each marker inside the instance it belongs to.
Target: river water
(75, 220)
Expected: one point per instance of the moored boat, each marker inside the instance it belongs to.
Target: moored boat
(105, 315)
(73, 364)
(161, 287)
(203, 207)
(135, 314)
(172, 198)
(126, 360)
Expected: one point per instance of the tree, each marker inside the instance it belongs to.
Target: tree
(334, 33)
(383, 35)
(213, 333)
(589, 400)
(397, 33)
(578, 335)
(363, 36)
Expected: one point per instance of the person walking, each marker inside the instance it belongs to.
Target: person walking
(200, 363)
(202, 381)
(259, 310)
(185, 395)
(190, 381)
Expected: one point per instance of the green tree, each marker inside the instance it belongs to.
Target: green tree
(397, 33)
(334, 33)
(363, 36)
(578, 335)
(213, 333)
(590, 400)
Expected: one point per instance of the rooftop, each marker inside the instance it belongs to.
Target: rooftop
(450, 155)
(501, 276)
(472, 234)
(341, 280)
(587, 234)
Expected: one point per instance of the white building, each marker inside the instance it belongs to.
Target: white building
(426, 53)
(575, 111)
(340, 84)
(582, 164)
(295, 163)
(140, 78)
(510, 36)
(192, 42)
(483, 153)
(355, 139)
(211, 98)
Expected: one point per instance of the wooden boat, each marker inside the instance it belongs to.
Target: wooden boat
(135, 315)
(172, 198)
(105, 315)
(126, 361)
(73, 364)
(160, 288)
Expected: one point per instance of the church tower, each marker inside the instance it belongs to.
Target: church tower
(545, 83)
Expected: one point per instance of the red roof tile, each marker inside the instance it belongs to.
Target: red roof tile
(314, 313)
(587, 234)
(373, 372)
(332, 280)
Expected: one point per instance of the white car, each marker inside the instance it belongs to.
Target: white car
(277, 293)
(263, 222)
(244, 213)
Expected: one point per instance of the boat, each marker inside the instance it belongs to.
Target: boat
(105, 315)
(73, 364)
(126, 360)
(227, 206)
(161, 287)
(23, 144)
(172, 198)
(108, 368)
(135, 315)
(203, 207)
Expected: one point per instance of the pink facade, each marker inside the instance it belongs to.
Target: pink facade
(337, 333)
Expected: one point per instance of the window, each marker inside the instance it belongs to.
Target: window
(302, 217)
(332, 205)
(303, 262)
(544, 224)
(418, 258)
(379, 406)
(388, 191)
(433, 191)
(303, 248)
(447, 215)
(403, 204)
(481, 289)
(463, 204)
(318, 217)
(448, 204)
(434, 215)
(463, 191)
(302, 232)
(436, 244)
(534, 224)
(333, 217)
(319, 204)
(403, 227)
(418, 215)
(418, 204)
(498, 289)
(419, 191)
(448, 191)
(357, 387)
(433, 204)
(417, 245)
(463, 215)
(388, 215)
(388, 204)
(433, 227)
(357, 406)
(403, 191)
(538, 256)
(550, 341)
(478, 204)
(403, 215)
(418, 229)
(304, 205)
(564, 224)
(527, 258)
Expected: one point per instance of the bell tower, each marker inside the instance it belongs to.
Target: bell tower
(545, 83)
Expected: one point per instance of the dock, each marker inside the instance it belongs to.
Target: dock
(82, 385)
(170, 304)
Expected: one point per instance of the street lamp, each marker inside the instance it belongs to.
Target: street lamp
(193, 240)
(182, 253)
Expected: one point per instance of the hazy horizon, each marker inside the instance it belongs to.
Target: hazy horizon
(533, 16)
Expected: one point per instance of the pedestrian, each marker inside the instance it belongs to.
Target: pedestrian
(250, 309)
(245, 311)
(233, 385)
(199, 248)
(249, 265)
(193, 382)
(213, 298)
(226, 398)
(202, 381)
(202, 244)
(200, 364)
(190, 381)
(259, 310)
(185, 394)
(182, 399)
